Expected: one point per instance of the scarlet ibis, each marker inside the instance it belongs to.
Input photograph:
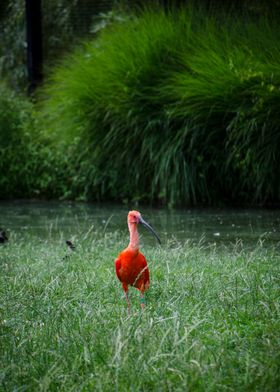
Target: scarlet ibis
(131, 265)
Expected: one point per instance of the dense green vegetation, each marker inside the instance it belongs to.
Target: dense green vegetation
(188, 103)
(187, 100)
(211, 321)
(30, 166)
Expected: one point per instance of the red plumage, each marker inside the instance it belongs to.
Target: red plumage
(132, 270)
(131, 265)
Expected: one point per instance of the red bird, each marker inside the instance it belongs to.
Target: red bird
(131, 265)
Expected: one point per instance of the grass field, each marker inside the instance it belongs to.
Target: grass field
(211, 321)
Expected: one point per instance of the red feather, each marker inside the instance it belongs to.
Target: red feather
(132, 269)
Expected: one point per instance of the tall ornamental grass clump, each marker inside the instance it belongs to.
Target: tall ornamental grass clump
(178, 107)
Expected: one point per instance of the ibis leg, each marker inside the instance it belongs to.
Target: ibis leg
(127, 300)
(142, 301)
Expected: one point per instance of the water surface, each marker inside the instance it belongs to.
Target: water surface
(65, 220)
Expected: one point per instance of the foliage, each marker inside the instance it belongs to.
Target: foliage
(211, 321)
(187, 100)
(178, 107)
(65, 23)
(15, 112)
(29, 165)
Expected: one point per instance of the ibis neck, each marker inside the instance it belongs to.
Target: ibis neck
(134, 236)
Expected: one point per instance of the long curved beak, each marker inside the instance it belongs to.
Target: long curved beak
(144, 223)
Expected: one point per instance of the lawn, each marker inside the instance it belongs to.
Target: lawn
(211, 321)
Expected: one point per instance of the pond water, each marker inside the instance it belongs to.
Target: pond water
(67, 220)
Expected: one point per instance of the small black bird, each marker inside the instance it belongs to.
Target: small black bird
(70, 244)
(3, 236)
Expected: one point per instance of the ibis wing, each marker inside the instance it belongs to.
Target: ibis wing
(118, 267)
(147, 277)
(144, 267)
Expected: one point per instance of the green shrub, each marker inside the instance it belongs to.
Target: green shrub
(178, 107)
(29, 165)
(15, 112)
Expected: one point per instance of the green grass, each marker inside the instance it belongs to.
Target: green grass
(211, 321)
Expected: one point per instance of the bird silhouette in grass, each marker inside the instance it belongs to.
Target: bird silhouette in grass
(3, 236)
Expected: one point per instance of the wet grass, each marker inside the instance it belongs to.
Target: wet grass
(211, 321)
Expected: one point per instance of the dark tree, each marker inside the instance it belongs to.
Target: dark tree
(34, 43)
